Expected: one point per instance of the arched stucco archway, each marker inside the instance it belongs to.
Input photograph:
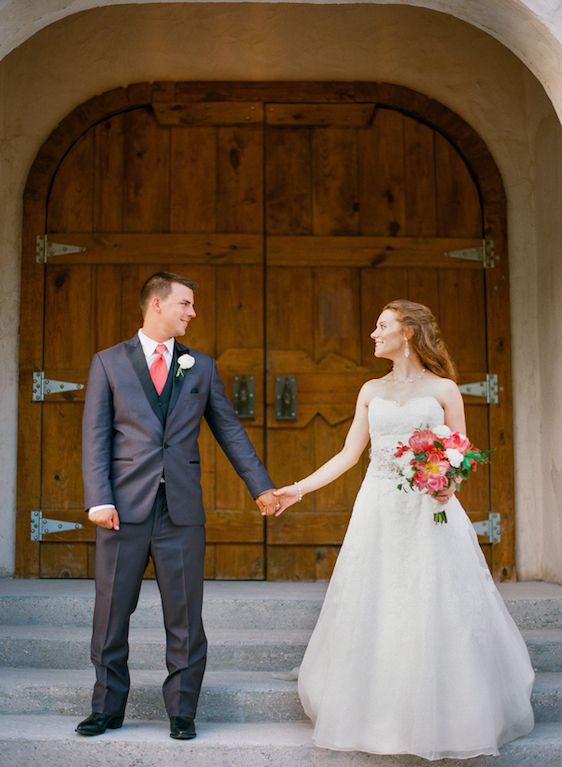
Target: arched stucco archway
(531, 29)
(454, 62)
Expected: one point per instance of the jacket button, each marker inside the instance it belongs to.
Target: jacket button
(166, 445)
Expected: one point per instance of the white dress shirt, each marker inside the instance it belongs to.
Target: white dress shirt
(149, 348)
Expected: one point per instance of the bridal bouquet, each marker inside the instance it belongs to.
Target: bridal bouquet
(435, 459)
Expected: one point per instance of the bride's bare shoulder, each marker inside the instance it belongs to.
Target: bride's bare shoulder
(372, 388)
(447, 389)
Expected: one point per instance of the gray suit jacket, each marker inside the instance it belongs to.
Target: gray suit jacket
(127, 447)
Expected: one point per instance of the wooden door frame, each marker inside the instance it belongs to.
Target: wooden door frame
(417, 105)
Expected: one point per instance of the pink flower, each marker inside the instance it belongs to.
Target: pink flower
(457, 441)
(422, 440)
(401, 449)
(432, 473)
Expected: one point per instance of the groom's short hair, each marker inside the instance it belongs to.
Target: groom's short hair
(160, 284)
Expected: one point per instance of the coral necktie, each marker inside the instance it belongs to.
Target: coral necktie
(158, 369)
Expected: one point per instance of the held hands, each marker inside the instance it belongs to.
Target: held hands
(274, 502)
(267, 503)
(286, 496)
(105, 517)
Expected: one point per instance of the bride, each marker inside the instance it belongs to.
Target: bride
(414, 650)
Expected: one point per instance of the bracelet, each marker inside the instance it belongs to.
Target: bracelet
(299, 491)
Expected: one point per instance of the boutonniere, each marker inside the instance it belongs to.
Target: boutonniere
(185, 362)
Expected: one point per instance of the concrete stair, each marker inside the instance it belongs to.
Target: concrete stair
(246, 715)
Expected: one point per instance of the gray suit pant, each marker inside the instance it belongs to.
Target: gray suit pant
(178, 554)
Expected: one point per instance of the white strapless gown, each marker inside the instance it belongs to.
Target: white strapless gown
(414, 650)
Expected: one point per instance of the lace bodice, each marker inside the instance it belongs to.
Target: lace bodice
(391, 422)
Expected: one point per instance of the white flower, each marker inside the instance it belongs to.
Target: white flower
(442, 431)
(186, 361)
(455, 457)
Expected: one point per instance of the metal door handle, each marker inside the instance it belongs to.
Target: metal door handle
(244, 389)
(286, 398)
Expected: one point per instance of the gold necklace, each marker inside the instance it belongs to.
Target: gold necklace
(408, 380)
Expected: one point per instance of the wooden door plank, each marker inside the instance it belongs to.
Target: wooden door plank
(239, 309)
(464, 288)
(337, 296)
(109, 166)
(388, 252)
(68, 317)
(302, 527)
(300, 563)
(335, 185)
(193, 182)
(61, 480)
(158, 249)
(235, 525)
(382, 178)
(240, 180)
(458, 206)
(501, 415)
(423, 287)
(106, 307)
(294, 329)
(288, 178)
(239, 562)
(71, 199)
(419, 183)
(317, 115)
(147, 174)
(60, 560)
(208, 113)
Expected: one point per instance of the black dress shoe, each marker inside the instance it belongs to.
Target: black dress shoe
(96, 724)
(182, 727)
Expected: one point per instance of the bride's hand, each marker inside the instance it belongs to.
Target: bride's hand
(286, 497)
(445, 495)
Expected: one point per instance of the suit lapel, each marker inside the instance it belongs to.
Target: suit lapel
(138, 361)
(179, 349)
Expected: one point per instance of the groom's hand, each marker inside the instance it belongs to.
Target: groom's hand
(267, 503)
(105, 517)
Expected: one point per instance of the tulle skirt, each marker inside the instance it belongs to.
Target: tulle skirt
(414, 650)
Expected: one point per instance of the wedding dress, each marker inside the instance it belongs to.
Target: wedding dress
(414, 650)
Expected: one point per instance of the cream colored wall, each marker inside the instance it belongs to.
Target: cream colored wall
(548, 157)
(457, 64)
(532, 29)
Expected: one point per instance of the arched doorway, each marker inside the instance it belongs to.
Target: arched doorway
(300, 209)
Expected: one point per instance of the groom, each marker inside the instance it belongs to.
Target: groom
(144, 404)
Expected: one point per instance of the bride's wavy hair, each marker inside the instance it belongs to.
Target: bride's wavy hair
(426, 339)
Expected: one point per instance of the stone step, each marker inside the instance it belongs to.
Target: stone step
(227, 604)
(43, 646)
(50, 740)
(64, 647)
(235, 604)
(228, 696)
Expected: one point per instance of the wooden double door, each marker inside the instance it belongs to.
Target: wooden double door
(299, 217)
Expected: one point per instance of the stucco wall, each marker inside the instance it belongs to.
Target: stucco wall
(532, 29)
(459, 65)
(548, 156)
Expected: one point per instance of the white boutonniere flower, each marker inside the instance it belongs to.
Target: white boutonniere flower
(185, 361)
